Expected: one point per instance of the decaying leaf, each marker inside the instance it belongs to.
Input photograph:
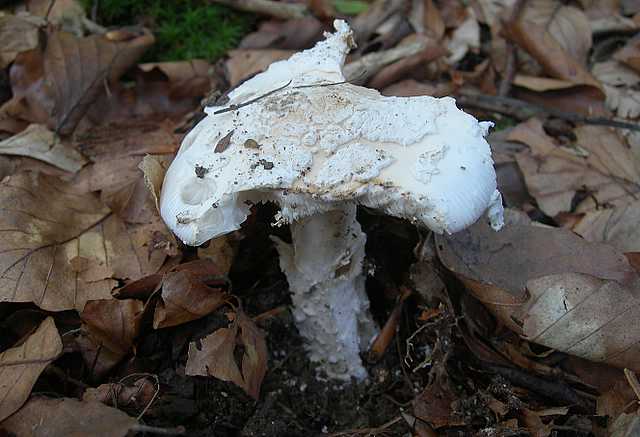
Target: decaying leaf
(111, 328)
(542, 45)
(45, 225)
(464, 38)
(153, 168)
(38, 142)
(185, 297)
(76, 71)
(214, 355)
(244, 63)
(134, 394)
(568, 25)
(600, 166)
(630, 53)
(18, 34)
(68, 417)
(537, 281)
(21, 366)
(617, 226)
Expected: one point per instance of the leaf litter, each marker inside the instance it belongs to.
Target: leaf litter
(529, 331)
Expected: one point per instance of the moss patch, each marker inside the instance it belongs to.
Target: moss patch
(184, 29)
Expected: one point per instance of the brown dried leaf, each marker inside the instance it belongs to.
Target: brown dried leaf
(153, 168)
(616, 226)
(296, 34)
(585, 316)
(244, 63)
(77, 71)
(21, 366)
(46, 224)
(539, 282)
(68, 417)
(185, 297)
(68, 14)
(38, 142)
(18, 34)
(254, 360)
(542, 45)
(568, 25)
(112, 327)
(630, 53)
(496, 266)
(600, 165)
(137, 394)
(214, 355)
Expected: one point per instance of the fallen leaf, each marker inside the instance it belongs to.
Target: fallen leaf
(136, 394)
(254, 359)
(630, 53)
(214, 355)
(220, 251)
(40, 143)
(625, 425)
(46, 224)
(186, 297)
(21, 366)
(68, 417)
(76, 71)
(153, 168)
(492, 12)
(296, 34)
(600, 165)
(464, 38)
(536, 281)
(568, 25)
(18, 34)
(111, 327)
(67, 14)
(616, 226)
(244, 63)
(496, 266)
(541, 44)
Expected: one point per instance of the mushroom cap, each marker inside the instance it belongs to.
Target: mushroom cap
(318, 142)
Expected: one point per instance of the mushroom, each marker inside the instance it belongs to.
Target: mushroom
(299, 135)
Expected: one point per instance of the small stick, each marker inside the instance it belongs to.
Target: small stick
(156, 430)
(247, 103)
(522, 110)
(282, 10)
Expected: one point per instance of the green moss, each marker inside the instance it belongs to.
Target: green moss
(184, 29)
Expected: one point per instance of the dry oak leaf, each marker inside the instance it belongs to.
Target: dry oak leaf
(552, 287)
(21, 366)
(38, 142)
(214, 355)
(617, 226)
(110, 328)
(244, 63)
(186, 297)
(18, 34)
(65, 79)
(45, 224)
(543, 46)
(568, 25)
(599, 165)
(42, 417)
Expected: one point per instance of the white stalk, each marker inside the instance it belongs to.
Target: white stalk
(331, 309)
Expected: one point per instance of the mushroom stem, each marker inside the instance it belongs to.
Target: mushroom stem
(331, 309)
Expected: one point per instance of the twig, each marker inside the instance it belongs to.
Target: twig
(521, 110)
(369, 431)
(282, 10)
(156, 430)
(361, 70)
(248, 102)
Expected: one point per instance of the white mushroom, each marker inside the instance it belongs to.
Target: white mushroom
(301, 137)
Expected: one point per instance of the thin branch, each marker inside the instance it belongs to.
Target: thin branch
(248, 102)
(521, 110)
(157, 430)
(284, 11)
